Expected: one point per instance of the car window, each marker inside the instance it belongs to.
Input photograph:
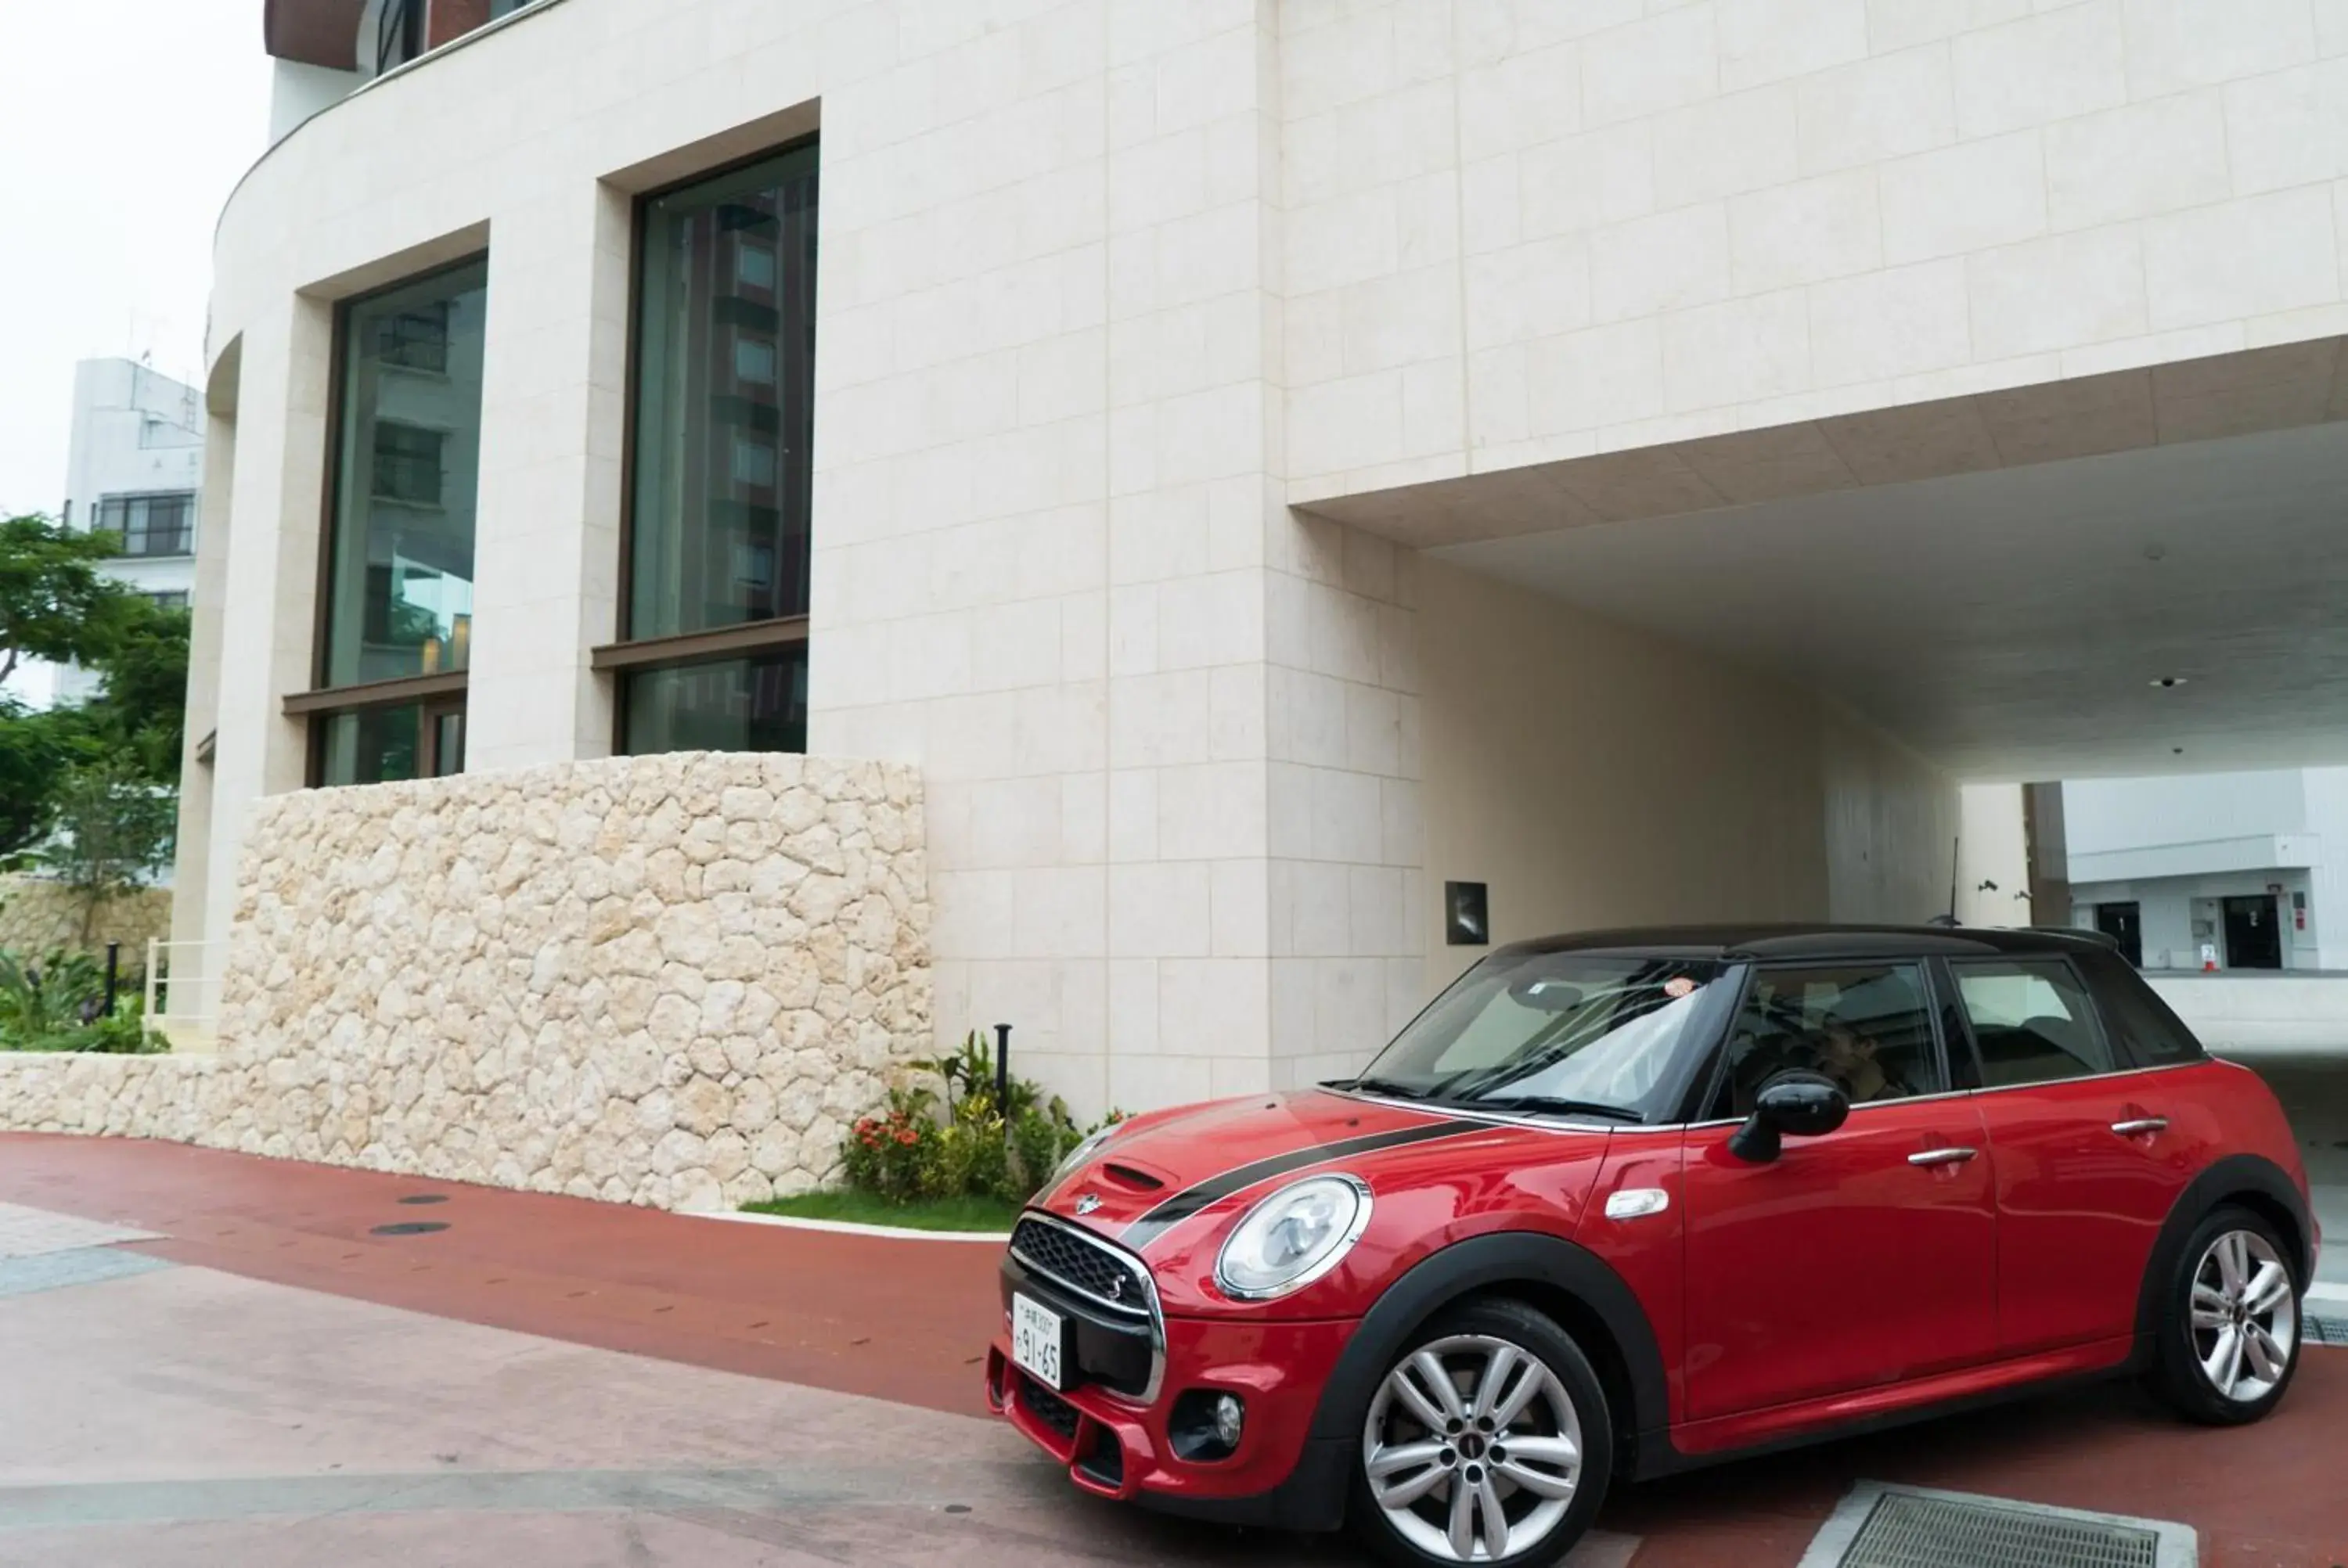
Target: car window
(1869, 1027)
(2149, 1034)
(2032, 1021)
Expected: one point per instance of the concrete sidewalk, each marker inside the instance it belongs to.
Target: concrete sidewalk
(548, 1381)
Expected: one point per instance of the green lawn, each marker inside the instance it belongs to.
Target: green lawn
(922, 1215)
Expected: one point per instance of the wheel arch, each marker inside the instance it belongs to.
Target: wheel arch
(2248, 1181)
(1569, 1282)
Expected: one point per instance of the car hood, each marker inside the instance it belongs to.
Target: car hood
(1171, 1165)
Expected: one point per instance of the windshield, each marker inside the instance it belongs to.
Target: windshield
(1560, 1033)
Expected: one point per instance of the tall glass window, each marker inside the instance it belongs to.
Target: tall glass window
(725, 411)
(398, 582)
(399, 575)
(714, 650)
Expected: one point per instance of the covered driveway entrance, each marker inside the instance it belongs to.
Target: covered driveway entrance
(1897, 621)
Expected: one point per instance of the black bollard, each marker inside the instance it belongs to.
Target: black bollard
(113, 968)
(1002, 1071)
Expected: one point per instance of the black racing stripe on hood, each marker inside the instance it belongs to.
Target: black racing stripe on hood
(1191, 1200)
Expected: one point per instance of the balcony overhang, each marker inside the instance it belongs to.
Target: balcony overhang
(313, 32)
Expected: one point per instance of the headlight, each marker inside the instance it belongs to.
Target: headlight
(1081, 1153)
(1292, 1237)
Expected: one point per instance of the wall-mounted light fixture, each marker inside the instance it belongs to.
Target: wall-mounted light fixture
(1466, 915)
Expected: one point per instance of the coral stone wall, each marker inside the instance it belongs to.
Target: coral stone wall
(667, 980)
(36, 915)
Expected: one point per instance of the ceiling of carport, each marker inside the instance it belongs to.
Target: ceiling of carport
(2009, 621)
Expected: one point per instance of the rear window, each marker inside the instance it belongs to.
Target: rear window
(2150, 1033)
(2032, 1023)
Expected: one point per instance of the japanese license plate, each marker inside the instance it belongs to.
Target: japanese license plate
(1035, 1339)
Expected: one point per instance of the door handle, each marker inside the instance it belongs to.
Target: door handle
(2141, 1126)
(1942, 1156)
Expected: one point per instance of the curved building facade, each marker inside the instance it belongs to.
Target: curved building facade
(1190, 434)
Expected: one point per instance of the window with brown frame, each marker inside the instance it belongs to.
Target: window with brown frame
(713, 562)
(396, 579)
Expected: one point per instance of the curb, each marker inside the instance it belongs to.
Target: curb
(850, 1227)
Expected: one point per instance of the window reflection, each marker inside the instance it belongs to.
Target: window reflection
(399, 597)
(756, 704)
(726, 359)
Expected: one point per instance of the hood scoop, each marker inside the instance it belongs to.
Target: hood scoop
(1132, 1178)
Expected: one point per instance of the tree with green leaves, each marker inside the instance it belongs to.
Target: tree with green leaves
(142, 708)
(112, 827)
(36, 751)
(57, 603)
(56, 600)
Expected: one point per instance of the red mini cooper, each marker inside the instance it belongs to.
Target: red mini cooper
(1618, 1205)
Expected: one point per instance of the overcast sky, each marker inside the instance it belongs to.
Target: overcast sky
(123, 125)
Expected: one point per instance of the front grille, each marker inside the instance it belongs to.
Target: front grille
(1907, 1530)
(1086, 1267)
(1048, 1407)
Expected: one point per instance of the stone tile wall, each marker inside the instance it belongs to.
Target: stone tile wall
(669, 980)
(1525, 232)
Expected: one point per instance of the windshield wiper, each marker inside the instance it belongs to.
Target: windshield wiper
(1385, 1086)
(1551, 1105)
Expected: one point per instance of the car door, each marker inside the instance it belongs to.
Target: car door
(2086, 1166)
(1856, 1259)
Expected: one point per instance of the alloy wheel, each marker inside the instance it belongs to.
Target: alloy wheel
(2245, 1316)
(1472, 1448)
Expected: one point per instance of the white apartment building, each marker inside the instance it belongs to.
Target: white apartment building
(1311, 486)
(135, 466)
(2227, 868)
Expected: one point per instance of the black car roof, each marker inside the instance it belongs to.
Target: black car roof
(1822, 941)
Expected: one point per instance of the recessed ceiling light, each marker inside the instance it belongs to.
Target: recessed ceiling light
(2177, 750)
(2169, 683)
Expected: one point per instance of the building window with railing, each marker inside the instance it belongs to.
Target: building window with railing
(159, 524)
(415, 340)
(408, 464)
(714, 566)
(396, 625)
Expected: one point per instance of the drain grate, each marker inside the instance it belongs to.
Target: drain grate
(410, 1228)
(1930, 1533)
(2326, 1331)
(427, 1198)
(1912, 1527)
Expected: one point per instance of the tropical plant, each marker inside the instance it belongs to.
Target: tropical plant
(57, 1002)
(957, 1142)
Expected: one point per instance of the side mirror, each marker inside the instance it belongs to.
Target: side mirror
(1795, 1104)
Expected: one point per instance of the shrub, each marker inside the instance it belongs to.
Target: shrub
(53, 1004)
(889, 1154)
(960, 1143)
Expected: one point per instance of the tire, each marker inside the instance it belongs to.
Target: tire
(2206, 1308)
(1548, 1397)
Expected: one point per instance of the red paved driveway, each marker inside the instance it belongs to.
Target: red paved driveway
(906, 1321)
(896, 1320)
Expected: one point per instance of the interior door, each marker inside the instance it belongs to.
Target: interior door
(1863, 1257)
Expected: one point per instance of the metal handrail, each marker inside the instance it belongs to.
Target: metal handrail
(157, 996)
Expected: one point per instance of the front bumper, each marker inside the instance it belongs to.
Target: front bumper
(1121, 1447)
